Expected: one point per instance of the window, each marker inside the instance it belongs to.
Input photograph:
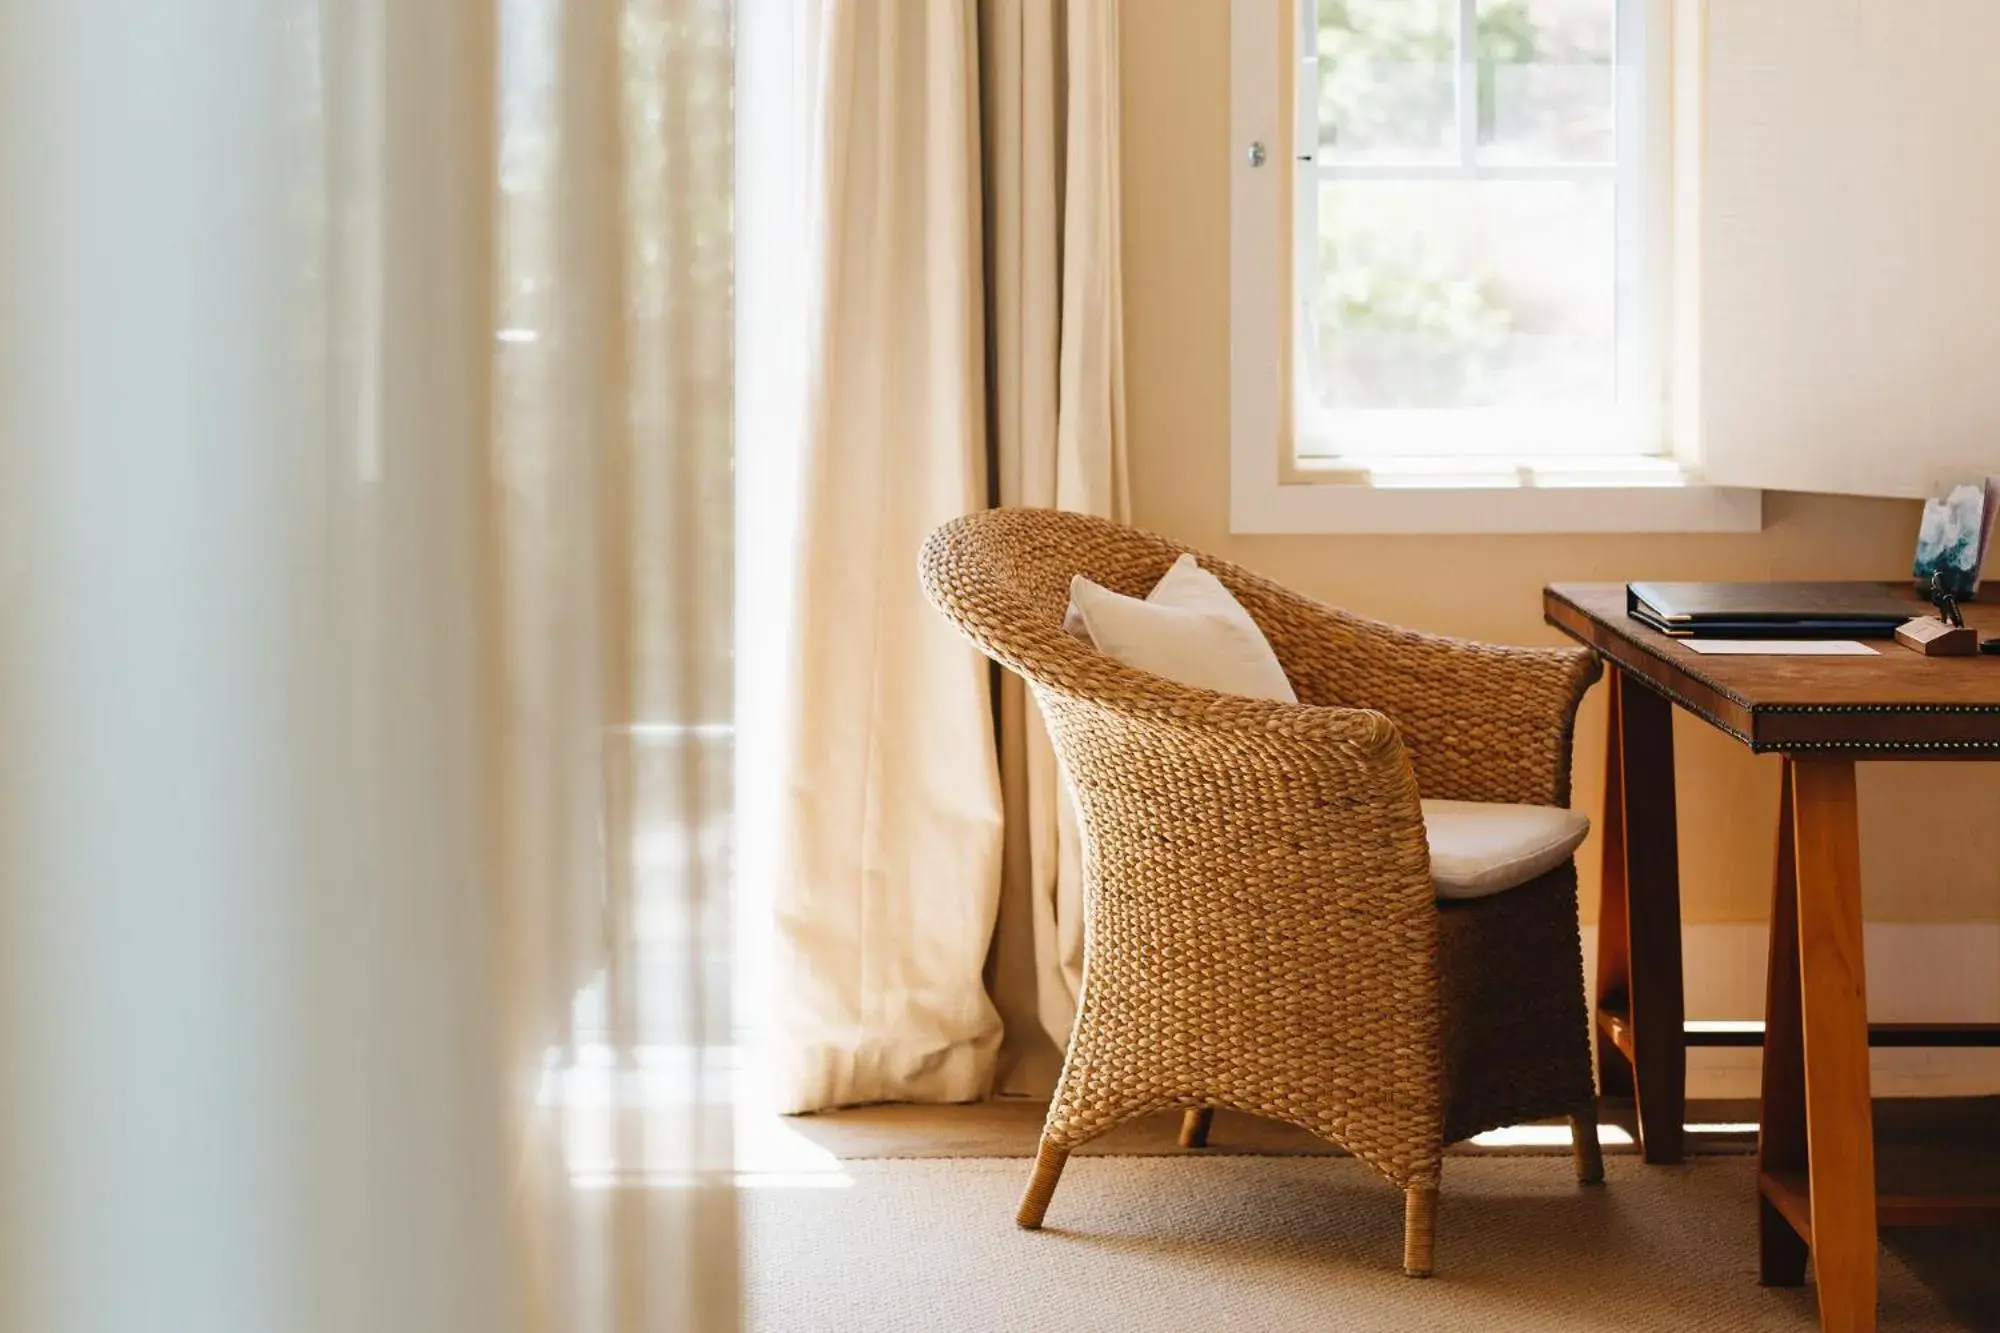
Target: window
(1452, 287)
(1470, 233)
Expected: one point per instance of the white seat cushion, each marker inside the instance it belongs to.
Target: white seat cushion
(1480, 848)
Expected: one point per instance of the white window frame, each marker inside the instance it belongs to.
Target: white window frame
(1272, 490)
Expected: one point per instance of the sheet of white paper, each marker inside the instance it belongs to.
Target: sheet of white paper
(1782, 647)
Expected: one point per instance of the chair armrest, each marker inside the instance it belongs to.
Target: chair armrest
(1328, 790)
(1309, 803)
(1482, 722)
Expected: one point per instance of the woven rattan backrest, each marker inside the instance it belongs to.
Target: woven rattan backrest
(1473, 716)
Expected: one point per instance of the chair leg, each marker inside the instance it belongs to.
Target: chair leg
(1419, 1229)
(1194, 1126)
(1589, 1153)
(1041, 1186)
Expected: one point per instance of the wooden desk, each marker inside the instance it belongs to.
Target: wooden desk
(1816, 1153)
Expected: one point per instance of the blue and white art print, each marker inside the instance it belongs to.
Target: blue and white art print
(1953, 537)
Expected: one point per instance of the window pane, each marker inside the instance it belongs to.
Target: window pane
(1547, 80)
(1462, 294)
(1388, 80)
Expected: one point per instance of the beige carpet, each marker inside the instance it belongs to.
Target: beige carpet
(1281, 1243)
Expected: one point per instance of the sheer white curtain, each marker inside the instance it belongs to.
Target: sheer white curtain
(364, 576)
(964, 347)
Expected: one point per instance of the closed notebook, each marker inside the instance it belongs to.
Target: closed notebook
(1762, 610)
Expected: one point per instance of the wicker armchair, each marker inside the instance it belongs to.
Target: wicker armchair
(1262, 931)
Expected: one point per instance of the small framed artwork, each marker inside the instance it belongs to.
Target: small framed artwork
(1952, 541)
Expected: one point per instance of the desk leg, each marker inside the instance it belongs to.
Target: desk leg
(1781, 1134)
(1614, 968)
(1840, 1141)
(1639, 923)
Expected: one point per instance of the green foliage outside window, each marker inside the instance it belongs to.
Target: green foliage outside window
(1406, 313)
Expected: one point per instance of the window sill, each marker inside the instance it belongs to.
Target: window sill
(1491, 496)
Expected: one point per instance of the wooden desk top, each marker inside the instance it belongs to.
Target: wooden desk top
(1896, 704)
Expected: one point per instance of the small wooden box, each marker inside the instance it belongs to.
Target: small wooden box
(1933, 638)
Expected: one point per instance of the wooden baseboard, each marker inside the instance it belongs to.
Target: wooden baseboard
(1929, 973)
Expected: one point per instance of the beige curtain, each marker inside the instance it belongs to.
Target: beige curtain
(964, 347)
(365, 580)
(1057, 410)
(890, 864)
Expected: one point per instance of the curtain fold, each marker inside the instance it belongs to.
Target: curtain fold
(890, 851)
(365, 498)
(931, 864)
(1057, 408)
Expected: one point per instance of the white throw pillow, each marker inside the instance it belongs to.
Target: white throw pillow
(1189, 629)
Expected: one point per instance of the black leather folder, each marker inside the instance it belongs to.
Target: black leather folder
(1771, 610)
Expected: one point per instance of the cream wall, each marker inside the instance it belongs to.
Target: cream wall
(1175, 65)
